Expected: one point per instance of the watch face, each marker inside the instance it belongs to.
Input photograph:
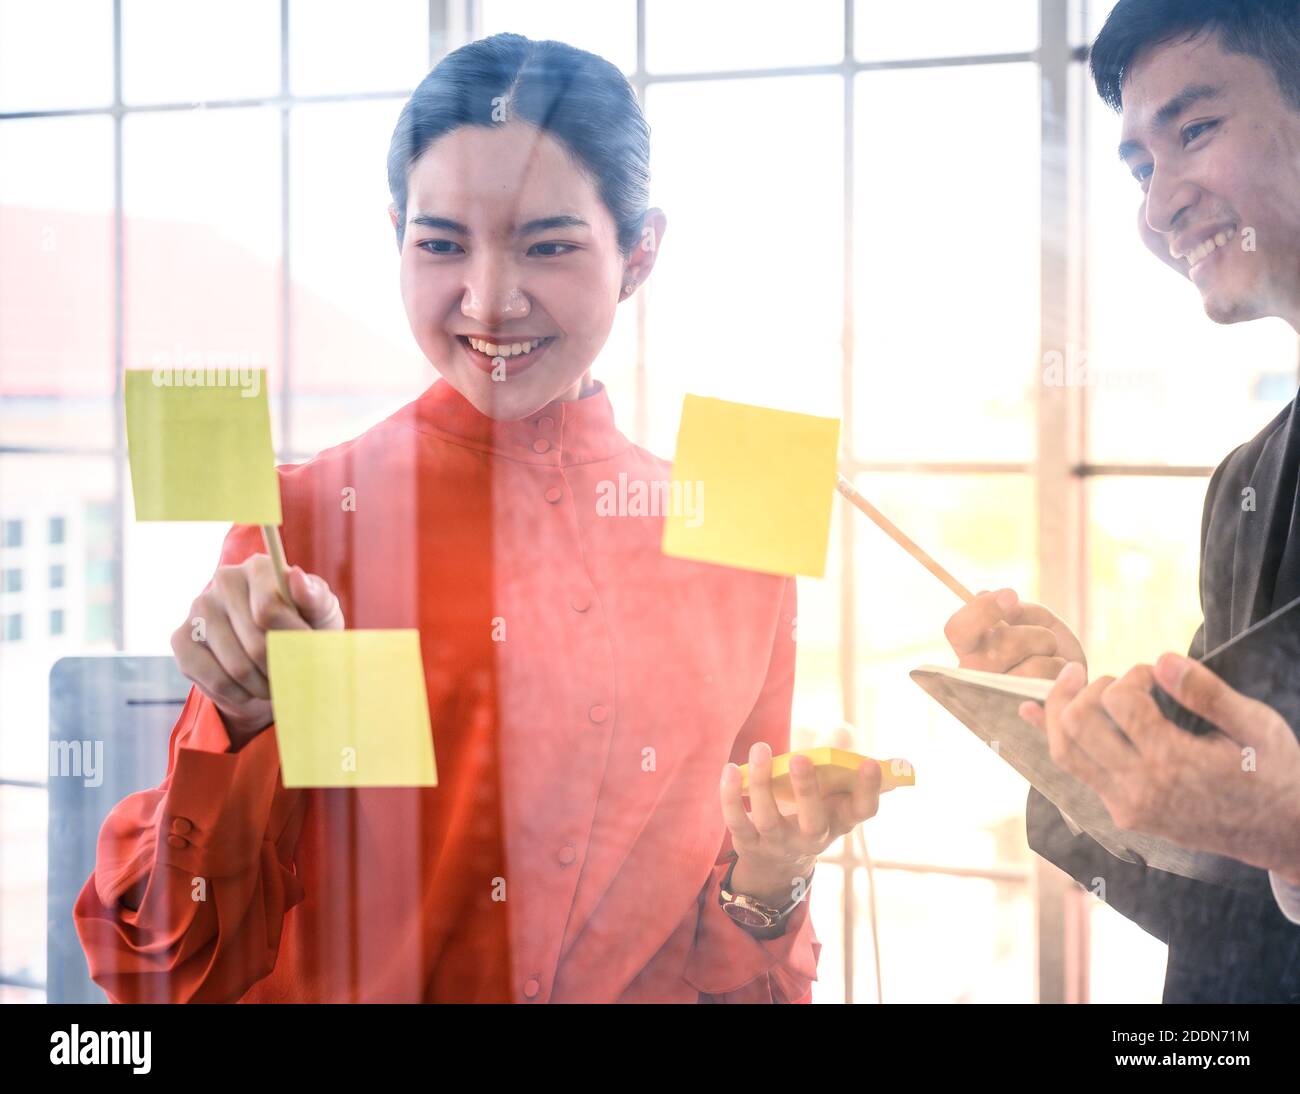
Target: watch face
(746, 916)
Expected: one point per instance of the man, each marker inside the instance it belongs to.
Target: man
(1209, 91)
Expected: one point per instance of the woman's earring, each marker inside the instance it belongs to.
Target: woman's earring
(629, 287)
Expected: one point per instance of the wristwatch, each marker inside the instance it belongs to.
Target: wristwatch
(747, 911)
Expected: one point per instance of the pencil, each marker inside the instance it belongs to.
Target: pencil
(897, 535)
(275, 548)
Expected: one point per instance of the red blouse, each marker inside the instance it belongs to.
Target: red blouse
(584, 692)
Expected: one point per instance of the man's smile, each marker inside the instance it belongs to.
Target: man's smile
(1198, 246)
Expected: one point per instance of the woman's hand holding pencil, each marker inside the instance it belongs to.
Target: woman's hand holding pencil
(221, 646)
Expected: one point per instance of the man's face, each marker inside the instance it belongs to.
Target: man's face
(1217, 151)
(488, 275)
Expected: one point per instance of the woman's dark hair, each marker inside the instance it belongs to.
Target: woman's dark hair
(1268, 30)
(578, 97)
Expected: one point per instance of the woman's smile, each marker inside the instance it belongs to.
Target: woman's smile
(504, 360)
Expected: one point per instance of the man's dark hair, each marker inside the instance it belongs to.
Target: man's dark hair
(1268, 30)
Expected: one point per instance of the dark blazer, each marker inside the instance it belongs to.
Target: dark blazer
(1225, 945)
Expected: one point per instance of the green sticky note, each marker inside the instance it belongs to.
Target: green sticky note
(761, 484)
(350, 708)
(201, 451)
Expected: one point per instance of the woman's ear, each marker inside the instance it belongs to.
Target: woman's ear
(642, 259)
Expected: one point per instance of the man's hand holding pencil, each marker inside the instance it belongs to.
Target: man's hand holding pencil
(993, 631)
(999, 632)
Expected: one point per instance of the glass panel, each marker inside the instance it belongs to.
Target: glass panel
(23, 813)
(604, 27)
(339, 46)
(1143, 564)
(967, 807)
(1165, 384)
(239, 55)
(818, 695)
(946, 301)
(945, 939)
(615, 367)
(746, 301)
(34, 489)
(56, 271)
(1098, 12)
(1127, 965)
(742, 34)
(55, 55)
(354, 358)
(166, 566)
(202, 202)
(826, 906)
(943, 28)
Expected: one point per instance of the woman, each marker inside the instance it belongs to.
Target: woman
(584, 689)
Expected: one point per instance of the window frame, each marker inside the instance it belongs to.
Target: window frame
(1060, 469)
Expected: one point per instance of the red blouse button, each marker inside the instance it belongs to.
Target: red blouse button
(554, 494)
(541, 445)
(597, 714)
(531, 987)
(181, 825)
(176, 841)
(567, 855)
(545, 423)
(580, 602)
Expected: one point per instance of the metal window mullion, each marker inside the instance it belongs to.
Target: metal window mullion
(1059, 975)
(254, 102)
(641, 382)
(1010, 875)
(848, 586)
(1079, 907)
(439, 31)
(119, 348)
(286, 277)
(647, 78)
(834, 68)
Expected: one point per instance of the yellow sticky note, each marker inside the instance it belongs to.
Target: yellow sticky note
(761, 482)
(835, 768)
(350, 708)
(201, 451)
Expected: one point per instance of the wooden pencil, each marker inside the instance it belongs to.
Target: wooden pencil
(901, 538)
(275, 548)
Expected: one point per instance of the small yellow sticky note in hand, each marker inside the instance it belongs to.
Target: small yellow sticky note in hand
(350, 708)
(201, 451)
(762, 481)
(836, 770)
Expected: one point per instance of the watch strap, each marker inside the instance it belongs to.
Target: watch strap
(728, 899)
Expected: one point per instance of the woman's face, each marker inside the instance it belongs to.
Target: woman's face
(507, 241)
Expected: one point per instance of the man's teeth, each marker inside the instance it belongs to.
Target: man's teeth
(1204, 250)
(515, 349)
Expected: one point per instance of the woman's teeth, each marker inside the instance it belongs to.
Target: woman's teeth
(515, 349)
(1200, 253)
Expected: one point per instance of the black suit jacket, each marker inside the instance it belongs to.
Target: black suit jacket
(1225, 946)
